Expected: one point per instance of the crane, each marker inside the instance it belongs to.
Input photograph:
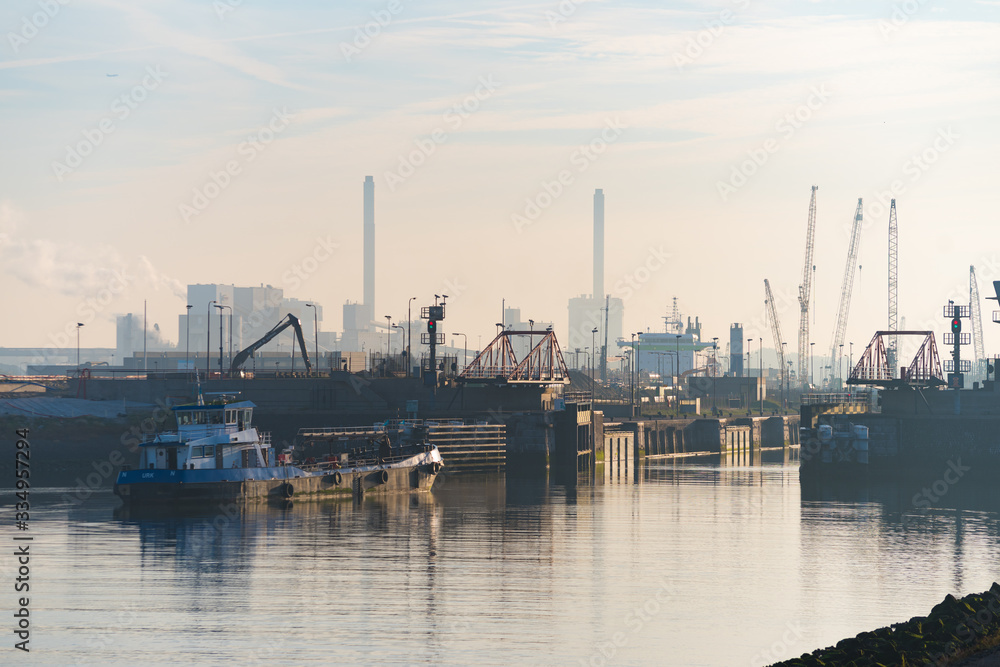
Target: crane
(772, 312)
(805, 290)
(979, 365)
(288, 321)
(836, 351)
(892, 354)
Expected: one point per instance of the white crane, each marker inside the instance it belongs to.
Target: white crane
(892, 354)
(772, 313)
(836, 350)
(805, 290)
(979, 365)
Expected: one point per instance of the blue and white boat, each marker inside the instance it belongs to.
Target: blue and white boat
(217, 454)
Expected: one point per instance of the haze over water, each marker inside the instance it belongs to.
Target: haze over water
(697, 564)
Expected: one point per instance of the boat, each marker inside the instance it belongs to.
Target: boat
(217, 454)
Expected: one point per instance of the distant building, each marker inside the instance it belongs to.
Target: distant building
(249, 312)
(129, 337)
(736, 350)
(512, 320)
(586, 314)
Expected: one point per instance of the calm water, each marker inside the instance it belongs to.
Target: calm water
(698, 564)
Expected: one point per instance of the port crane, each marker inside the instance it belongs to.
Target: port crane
(892, 353)
(772, 312)
(288, 321)
(805, 290)
(979, 365)
(836, 350)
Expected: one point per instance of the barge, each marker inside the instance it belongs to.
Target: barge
(217, 454)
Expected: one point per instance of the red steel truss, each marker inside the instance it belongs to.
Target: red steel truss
(873, 365)
(497, 363)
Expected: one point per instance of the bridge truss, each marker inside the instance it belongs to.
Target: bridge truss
(498, 363)
(873, 365)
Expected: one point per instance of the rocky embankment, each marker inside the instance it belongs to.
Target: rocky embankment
(958, 632)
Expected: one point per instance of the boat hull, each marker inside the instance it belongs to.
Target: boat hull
(285, 483)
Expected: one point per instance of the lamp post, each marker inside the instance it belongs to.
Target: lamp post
(220, 307)
(812, 365)
(409, 334)
(631, 375)
(788, 386)
(315, 333)
(749, 376)
(79, 325)
(840, 365)
(388, 337)
(784, 397)
(760, 373)
(593, 380)
(465, 351)
(850, 358)
(208, 339)
(715, 372)
(187, 344)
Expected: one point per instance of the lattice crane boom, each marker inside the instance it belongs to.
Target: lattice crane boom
(977, 325)
(805, 290)
(772, 314)
(892, 353)
(845, 293)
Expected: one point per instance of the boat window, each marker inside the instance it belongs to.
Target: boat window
(246, 415)
(199, 417)
(215, 417)
(195, 452)
(184, 418)
(230, 416)
(209, 450)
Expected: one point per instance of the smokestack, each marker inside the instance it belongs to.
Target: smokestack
(598, 244)
(369, 288)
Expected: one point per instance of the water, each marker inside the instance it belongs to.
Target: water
(698, 564)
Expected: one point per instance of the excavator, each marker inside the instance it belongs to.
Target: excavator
(289, 321)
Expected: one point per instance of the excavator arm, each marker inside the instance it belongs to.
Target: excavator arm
(289, 321)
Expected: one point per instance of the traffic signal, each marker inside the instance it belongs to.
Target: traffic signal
(956, 325)
(431, 326)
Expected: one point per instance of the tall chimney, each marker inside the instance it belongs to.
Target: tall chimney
(598, 244)
(369, 288)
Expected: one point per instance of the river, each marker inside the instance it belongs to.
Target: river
(696, 563)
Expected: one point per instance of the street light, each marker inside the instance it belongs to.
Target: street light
(208, 339)
(388, 339)
(220, 307)
(593, 380)
(465, 352)
(850, 358)
(187, 345)
(715, 372)
(79, 325)
(677, 388)
(409, 334)
(631, 374)
(784, 397)
(812, 365)
(749, 374)
(840, 365)
(315, 333)
(760, 373)
(402, 334)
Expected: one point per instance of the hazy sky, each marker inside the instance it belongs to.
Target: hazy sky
(148, 145)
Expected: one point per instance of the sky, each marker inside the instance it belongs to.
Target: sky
(151, 145)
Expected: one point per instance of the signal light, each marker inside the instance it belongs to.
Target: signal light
(431, 326)
(956, 325)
